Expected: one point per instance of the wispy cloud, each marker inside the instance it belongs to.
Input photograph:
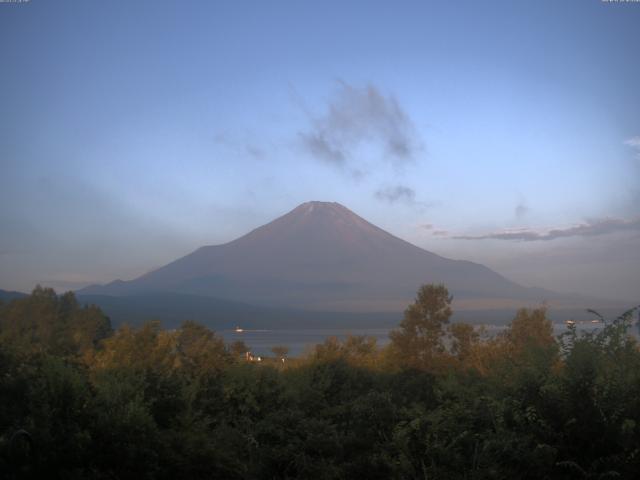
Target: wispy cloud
(322, 147)
(398, 193)
(361, 117)
(589, 229)
(431, 228)
(633, 142)
(401, 194)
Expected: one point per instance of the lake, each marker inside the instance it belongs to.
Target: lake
(299, 340)
(261, 341)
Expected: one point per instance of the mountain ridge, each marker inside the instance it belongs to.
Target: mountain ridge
(322, 256)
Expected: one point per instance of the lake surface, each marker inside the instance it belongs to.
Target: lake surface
(301, 340)
(298, 340)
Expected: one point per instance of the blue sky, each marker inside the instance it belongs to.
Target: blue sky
(134, 132)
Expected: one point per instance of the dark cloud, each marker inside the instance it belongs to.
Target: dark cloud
(589, 229)
(440, 233)
(399, 193)
(426, 226)
(320, 147)
(357, 117)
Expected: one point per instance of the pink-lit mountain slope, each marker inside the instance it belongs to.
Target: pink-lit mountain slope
(322, 256)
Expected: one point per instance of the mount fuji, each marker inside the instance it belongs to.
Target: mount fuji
(323, 257)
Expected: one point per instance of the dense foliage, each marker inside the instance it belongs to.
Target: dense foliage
(79, 400)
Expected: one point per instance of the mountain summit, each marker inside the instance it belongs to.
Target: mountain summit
(321, 256)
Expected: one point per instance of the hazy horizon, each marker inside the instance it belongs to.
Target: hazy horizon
(503, 133)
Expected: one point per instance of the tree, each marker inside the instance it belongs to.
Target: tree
(238, 348)
(146, 348)
(46, 322)
(420, 337)
(280, 351)
(200, 351)
(530, 328)
(463, 338)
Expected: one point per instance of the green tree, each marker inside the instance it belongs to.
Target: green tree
(419, 340)
(200, 350)
(463, 338)
(238, 349)
(47, 323)
(280, 352)
(132, 348)
(531, 329)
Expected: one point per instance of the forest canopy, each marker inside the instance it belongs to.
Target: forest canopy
(79, 399)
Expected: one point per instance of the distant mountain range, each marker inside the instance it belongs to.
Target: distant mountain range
(174, 308)
(6, 295)
(323, 257)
